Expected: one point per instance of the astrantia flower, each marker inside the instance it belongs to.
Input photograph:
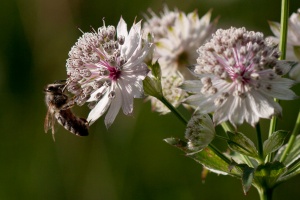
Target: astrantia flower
(239, 74)
(159, 25)
(108, 71)
(177, 37)
(293, 41)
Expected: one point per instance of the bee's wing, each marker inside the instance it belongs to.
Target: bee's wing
(49, 121)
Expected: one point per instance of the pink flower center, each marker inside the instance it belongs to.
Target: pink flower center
(240, 74)
(114, 73)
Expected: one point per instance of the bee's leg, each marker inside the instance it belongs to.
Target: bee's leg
(53, 130)
(69, 104)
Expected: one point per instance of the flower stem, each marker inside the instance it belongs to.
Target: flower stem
(265, 193)
(283, 28)
(259, 141)
(291, 140)
(282, 49)
(173, 110)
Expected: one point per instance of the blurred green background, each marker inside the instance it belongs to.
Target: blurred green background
(128, 161)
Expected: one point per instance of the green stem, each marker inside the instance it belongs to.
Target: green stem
(265, 193)
(173, 110)
(291, 140)
(259, 142)
(282, 49)
(283, 28)
(246, 158)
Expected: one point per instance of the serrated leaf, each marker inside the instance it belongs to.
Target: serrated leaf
(269, 173)
(152, 83)
(205, 157)
(240, 143)
(274, 142)
(152, 87)
(247, 178)
(293, 155)
(292, 171)
(212, 162)
(156, 71)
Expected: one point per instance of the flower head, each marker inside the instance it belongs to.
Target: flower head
(240, 75)
(293, 41)
(108, 71)
(177, 36)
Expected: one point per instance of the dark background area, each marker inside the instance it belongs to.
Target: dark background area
(128, 161)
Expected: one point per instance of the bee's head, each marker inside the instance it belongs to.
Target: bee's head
(54, 88)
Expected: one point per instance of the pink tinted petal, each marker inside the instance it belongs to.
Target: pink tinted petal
(114, 108)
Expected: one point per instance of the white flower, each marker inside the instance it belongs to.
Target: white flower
(240, 75)
(108, 72)
(293, 41)
(177, 37)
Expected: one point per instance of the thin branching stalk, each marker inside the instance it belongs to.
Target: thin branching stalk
(282, 49)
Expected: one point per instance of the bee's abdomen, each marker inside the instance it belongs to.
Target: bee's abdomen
(70, 122)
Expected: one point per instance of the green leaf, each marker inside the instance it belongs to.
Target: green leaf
(205, 157)
(269, 173)
(297, 51)
(240, 143)
(292, 171)
(293, 155)
(152, 83)
(247, 178)
(155, 69)
(274, 142)
(292, 161)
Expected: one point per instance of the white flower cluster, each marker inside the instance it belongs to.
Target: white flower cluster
(239, 76)
(177, 36)
(108, 71)
(236, 78)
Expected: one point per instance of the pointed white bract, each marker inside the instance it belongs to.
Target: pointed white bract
(177, 36)
(108, 71)
(239, 76)
(293, 41)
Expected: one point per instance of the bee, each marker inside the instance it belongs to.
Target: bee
(59, 109)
